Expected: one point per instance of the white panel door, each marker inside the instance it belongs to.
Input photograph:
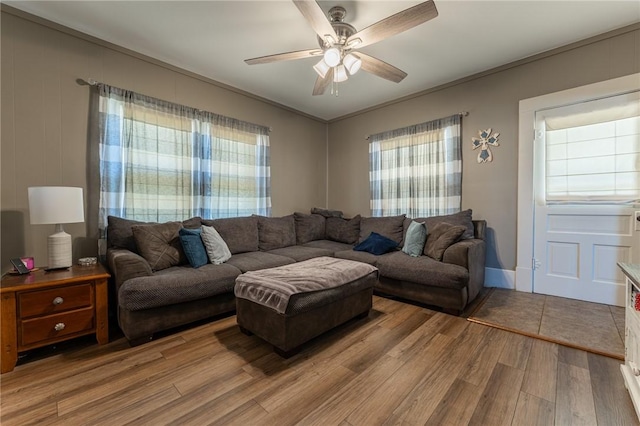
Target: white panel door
(576, 249)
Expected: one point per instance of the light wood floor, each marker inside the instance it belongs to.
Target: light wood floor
(402, 365)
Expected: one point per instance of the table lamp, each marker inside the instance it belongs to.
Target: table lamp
(56, 205)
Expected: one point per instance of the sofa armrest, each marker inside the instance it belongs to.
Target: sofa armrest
(470, 254)
(125, 264)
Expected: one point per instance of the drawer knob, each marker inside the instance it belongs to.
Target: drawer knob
(59, 326)
(58, 300)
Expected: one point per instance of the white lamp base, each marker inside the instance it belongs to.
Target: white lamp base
(59, 248)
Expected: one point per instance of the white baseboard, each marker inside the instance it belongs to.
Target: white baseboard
(502, 278)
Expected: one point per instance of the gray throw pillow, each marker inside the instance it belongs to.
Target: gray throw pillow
(389, 226)
(160, 244)
(440, 237)
(217, 250)
(240, 233)
(343, 230)
(276, 232)
(415, 239)
(309, 227)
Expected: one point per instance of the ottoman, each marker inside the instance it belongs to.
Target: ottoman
(289, 305)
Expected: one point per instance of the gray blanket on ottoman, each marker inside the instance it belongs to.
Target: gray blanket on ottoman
(273, 287)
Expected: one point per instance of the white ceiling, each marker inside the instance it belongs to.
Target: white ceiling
(212, 38)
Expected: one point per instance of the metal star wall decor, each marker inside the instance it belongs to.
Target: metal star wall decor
(483, 142)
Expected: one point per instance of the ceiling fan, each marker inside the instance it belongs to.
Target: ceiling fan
(338, 40)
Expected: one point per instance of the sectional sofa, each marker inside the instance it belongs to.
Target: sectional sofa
(157, 289)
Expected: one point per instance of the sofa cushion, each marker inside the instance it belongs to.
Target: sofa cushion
(176, 285)
(217, 249)
(414, 239)
(159, 244)
(309, 227)
(422, 270)
(276, 232)
(358, 256)
(193, 247)
(240, 233)
(192, 223)
(462, 218)
(440, 237)
(343, 230)
(255, 260)
(390, 227)
(332, 246)
(120, 234)
(376, 244)
(300, 253)
(326, 212)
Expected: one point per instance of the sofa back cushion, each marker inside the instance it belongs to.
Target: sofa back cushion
(240, 233)
(276, 232)
(343, 230)
(160, 244)
(309, 227)
(462, 218)
(327, 212)
(390, 226)
(192, 223)
(120, 234)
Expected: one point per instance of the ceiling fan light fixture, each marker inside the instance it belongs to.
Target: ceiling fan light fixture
(322, 68)
(340, 74)
(354, 42)
(332, 56)
(352, 63)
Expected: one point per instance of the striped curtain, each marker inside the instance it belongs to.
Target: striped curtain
(417, 170)
(161, 162)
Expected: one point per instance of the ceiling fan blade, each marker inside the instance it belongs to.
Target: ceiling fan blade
(316, 18)
(394, 24)
(288, 56)
(381, 68)
(322, 83)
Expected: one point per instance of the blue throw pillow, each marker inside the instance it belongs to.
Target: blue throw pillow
(376, 244)
(193, 247)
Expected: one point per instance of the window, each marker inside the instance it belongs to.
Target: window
(592, 151)
(416, 170)
(161, 161)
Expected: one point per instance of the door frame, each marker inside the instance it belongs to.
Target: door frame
(526, 164)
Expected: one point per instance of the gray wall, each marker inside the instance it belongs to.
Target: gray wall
(44, 126)
(491, 99)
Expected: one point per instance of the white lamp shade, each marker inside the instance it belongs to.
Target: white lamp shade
(352, 63)
(322, 68)
(332, 56)
(340, 74)
(55, 205)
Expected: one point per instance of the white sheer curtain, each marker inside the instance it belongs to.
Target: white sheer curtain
(416, 170)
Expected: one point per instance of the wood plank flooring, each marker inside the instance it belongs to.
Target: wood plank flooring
(402, 365)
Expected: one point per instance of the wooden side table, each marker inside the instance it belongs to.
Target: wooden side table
(42, 308)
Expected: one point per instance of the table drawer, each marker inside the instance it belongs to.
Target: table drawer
(55, 326)
(59, 299)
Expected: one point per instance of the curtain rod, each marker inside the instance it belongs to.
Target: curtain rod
(92, 82)
(460, 114)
